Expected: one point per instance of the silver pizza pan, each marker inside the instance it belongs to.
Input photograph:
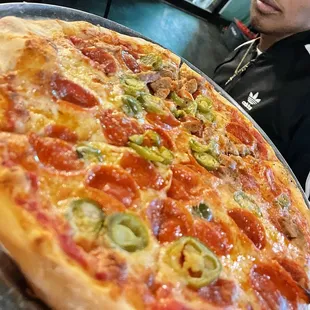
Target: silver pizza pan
(14, 292)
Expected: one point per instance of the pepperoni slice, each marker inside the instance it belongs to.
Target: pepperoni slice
(165, 121)
(166, 140)
(115, 182)
(221, 293)
(117, 128)
(185, 183)
(296, 271)
(56, 153)
(250, 225)
(248, 182)
(261, 144)
(169, 305)
(99, 55)
(67, 90)
(143, 172)
(274, 287)
(61, 132)
(215, 235)
(169, 220)
(241, 133)
(130, 62)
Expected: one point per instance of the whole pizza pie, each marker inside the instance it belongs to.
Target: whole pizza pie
(128, 182)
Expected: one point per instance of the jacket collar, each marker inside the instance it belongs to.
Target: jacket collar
(291, 43)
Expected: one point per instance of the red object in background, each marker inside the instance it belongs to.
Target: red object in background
(245, 30)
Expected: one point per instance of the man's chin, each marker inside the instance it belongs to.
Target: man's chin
(261, 24)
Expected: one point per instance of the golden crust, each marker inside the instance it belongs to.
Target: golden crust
(40, 258)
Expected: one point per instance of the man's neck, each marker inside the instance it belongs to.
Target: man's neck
(266, 41)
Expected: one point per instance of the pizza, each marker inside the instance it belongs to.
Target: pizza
(128, 182)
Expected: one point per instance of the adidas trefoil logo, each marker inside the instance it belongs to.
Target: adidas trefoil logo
(253, 100)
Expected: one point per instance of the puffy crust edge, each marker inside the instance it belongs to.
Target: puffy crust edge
(55, 278)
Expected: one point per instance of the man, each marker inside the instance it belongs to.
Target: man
(270, 78)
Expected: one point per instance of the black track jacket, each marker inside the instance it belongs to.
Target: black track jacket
(275, 91)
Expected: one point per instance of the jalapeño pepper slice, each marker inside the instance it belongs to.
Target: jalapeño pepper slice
(204, 104)
(193, 261)
(207, 161)
(147, 152)
(152, 60)
(85, 217)
(177, 100)
(246, 202)
(203, 211)
(89, 153)
(283, 200)
(127, 231)
(151, 104)
(133, 87)
(131, 106)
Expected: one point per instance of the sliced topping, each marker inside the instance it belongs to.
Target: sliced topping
(283, 201)
(248, 181)
(190, 107)
(152, 61)
(127, 231)
(89, 153)
(274, 287)
(250, 225)
(212, 147)
(165, 139)
(149, 147)
(185, 183)
(131, 106)
(143, 172)
(55, 153)
(133, 87)
(215, 235)
(207, 161)
(115, 182)
(67, 90)
(117, 128)
(221, 293)
(169, 305)
(206, 155)
(247, 202)
(155, 154)
(204, 104)
(203, 211)
(165, 121)
(241, 133)
(179, 102)
(60, 132)
(169, 220)
(85, 217)
(151, 138)
(99, 55)
(296, 270)
(193, 262)
(130, 62)
(152, 104)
